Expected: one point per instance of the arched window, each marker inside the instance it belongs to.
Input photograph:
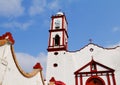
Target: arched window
(57, 40)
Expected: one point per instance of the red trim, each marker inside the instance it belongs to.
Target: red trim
(8, 36)
(113, 78)
(108, 79)
(76, 80)
(81, 80)
(57, 16)
(95, 77)
(96, 63)
(52, 79)
(63, 38)
(56, 49)
(63, 44)
(59, 30)
(95, 73)
(37, 66)
(63, 22)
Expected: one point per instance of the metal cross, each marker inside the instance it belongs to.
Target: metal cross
(90, 40)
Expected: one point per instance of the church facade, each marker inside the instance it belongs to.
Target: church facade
(91, 65)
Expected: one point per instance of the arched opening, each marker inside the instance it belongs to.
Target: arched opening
(57, 40)
(95, 81)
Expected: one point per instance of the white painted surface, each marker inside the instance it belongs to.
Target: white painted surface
(69, 62)
(9, 73)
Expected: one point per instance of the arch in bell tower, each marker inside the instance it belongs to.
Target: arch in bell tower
(57, 40)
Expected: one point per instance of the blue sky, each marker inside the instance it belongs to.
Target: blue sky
(29, 22)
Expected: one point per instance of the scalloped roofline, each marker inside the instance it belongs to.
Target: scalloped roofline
(25, 74)
(107, 48)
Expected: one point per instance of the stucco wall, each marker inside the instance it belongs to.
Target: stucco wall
(69, 62)
(12, 74)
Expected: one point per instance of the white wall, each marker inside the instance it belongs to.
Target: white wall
(11, 75)
(69, 62)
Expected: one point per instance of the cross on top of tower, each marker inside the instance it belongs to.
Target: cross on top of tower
(59, 10)
(90, 40)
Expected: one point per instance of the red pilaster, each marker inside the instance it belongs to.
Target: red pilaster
(113, 78)
(62, 22)
(81, 80)
(108, 79)
(63, 38)
(76, 80)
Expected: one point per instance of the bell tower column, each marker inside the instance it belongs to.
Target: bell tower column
(58, 36)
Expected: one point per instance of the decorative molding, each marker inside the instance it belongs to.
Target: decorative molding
(37, 66)
(6, 38)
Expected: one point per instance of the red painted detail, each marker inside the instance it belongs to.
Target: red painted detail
(56, 49)
(56, 82)
(113, 78)
(95, 74)
(51, 44)
(81, 80)
(58, 30)
(95, 80)
(62, 44)
(52, 79)
(63, 22)
(37, 66)
(56, 16)
(76, 80)
(63, 38)
(108, 79)
(95, 63)
(8, 36)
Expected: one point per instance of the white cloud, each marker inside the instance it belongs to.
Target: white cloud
(17, 25)
(116, 29)
(27, 61)
(37, 7)
(114, 45)
(11, 8)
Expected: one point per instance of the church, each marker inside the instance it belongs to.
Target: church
(89, 65)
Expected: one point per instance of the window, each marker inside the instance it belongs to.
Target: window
(55, 65)
(57, 40)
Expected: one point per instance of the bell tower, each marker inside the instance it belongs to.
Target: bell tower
(58, 36)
